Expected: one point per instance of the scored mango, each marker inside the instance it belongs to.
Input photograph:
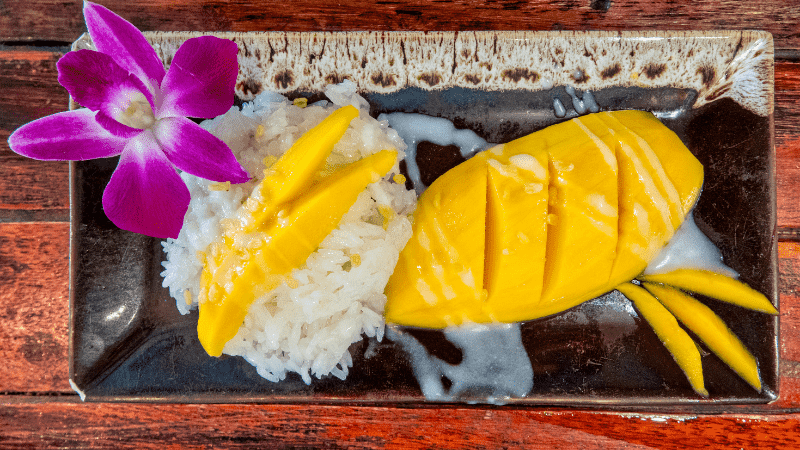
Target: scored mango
(257, 254)
(584, 212)
(516, 232)
(611, 196)
(439, 275)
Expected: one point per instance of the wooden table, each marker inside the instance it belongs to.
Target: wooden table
(39, 409)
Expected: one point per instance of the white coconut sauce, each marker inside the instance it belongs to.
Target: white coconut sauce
(583, 104)
(689, 248)
(495, 366)
(415, 128)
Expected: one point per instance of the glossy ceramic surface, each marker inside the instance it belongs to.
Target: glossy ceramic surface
(128, 342)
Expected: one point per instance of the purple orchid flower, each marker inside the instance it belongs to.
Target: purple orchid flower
(136, 109)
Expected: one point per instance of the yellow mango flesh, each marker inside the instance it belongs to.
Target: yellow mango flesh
(516, 233)
(583, 212)
(609, 205)
(716, 286)
(295, 169)
(649, 206)
(659, 144)
(292, 211)
(710, 328)
(438, 280)
(291, 239)
(678, 342)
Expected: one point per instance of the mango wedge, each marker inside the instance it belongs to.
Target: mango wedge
(658, 141)
(292, 239)
(675, 339)
(584, 214)
(711, 330)
(310, 218)
(291, 213)
(438, 280)
(570, 212)
(716, 286)
(516, 233)
(649, 208)
(295, 169)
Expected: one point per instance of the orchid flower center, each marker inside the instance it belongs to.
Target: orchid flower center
(138, 113)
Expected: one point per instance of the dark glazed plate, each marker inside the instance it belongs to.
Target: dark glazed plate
(128, 341)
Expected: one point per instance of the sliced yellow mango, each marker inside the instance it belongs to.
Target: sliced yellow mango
(675, 339)
(298, 231)
(716, 286)
(219, 321)
(608, 208)
(438, 280)
(667, 148)
(516, 234)
(648, 211)
(289, 241)
(296, 168)
(583, 215)
(710, 329)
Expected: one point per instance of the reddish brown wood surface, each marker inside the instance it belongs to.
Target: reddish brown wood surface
(29, 89)
(68, 425)
(787, 142)
(54, 20)
(37, 407)
(34, 265)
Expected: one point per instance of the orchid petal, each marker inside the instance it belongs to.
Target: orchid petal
(201, 79)
(118, 38)
(196, 151)
(146, 195)
(93, 79)
(71, 135)
(114, 127)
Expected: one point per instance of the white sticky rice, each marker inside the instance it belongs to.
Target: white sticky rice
(338, 295)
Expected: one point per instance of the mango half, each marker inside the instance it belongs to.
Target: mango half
(545, 222)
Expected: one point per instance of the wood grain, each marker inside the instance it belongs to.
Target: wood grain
(54, 20)
(137, 426)
(34, 307)
(787, 142)
(29, 90)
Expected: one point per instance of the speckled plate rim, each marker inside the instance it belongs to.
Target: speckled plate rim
(717, 64)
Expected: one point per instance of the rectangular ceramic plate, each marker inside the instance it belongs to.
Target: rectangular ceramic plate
(715, 90)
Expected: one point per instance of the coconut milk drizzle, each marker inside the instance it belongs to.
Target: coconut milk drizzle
(415, 128)
(689, 248)
(582, 104)
(494, 368)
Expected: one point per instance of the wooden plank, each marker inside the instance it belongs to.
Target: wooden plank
(54, 20)
(34, 307)
(66, 425)
(30, 90)
(787, 142)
